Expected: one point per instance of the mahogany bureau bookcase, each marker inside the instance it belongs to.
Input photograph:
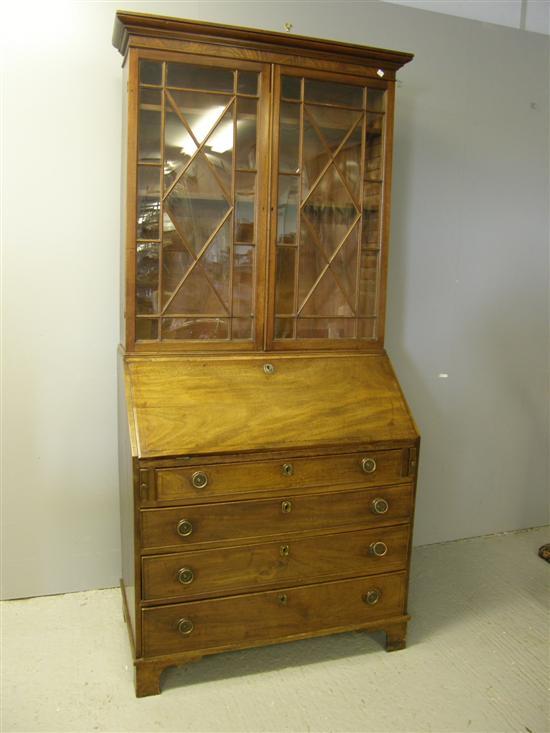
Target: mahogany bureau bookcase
(268, 458)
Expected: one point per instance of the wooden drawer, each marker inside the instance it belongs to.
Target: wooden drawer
(250, 567)
(177, 484)
(271, 616)
(237, 520)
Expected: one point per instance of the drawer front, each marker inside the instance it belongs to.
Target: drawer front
(236, 520)
(223, 623)
(273, 564)
(203, 482)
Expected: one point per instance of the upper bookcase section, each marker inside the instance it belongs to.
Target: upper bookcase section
(137, 29)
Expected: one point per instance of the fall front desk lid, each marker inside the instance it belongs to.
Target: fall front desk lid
(201, 406)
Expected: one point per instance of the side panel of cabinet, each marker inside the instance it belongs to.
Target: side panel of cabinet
(197, 202)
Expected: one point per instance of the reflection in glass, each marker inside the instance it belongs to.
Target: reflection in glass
(197, 295)
(328, 299)
(147, 277)
(176, 142)
(195, 328)
(176, 259)
(289, 138)
(330, 92)
(284, 328)
(189, 76)
(202, 112)
(196, 204)
(284, 285)
(314, 156)
(241, 328)
(323, 328)
(245, 193)
(247, 82)
(150, 72)
(348, 161)
(246, 133)
(148, 202)
(287, 209)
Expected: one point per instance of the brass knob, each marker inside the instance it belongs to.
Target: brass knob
(185, 626)
(286, 506)
(282, 598)
(372, 596)
(287, 469)
(379, 506)
(186, 576)
(184, 528)
(269, 369)
(378, 549)
(199, 479)
(368, 465)
(285, 550)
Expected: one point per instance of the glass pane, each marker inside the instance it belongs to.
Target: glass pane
(202, 112)
(245, 190)
(344, 265)
(330, 211)
(178, 145)
(330, 92)
(371, 215)
(373, 163)
(376, 100)
(195, 328)
(176, 259)
(368, 284)
(284, 286)
(248, 82)
(197, 295)
(150, 116)
(289, 138)
(150, 72)
(216, 262)
(148, 203)
(290, 87)
(327, 299)
(332, 328)
(246, 133)
(147, 277)
(366, 328)
(197, 204)
(284, 328)
(287, 209)
(243, 285)
(312, 262)
(334, 123)
(348, 161)
(375, 124)
(241, 328)
(189, 76)
(147, 329)
(315, 156)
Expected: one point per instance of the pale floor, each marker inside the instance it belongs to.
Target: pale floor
(477, 660)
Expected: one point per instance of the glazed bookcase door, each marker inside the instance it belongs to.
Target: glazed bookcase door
(200, 203)
(330, 184)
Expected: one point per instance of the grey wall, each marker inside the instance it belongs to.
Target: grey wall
(468, 272)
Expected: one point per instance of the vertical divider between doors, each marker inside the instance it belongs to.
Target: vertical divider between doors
(275, 77)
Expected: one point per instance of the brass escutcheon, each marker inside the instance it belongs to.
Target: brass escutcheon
(184, 528)
(282, 598)
(372, 596)
(186, 576)
(378, 549)
(286, 506)
(185, 626)
(284, 550)
(269, 369)
(368, 465)
(199, 479)
(287, 469)
(379, 506)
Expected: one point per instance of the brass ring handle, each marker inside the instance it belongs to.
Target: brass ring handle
(184, 528)
(379, 506)
(199, 479)
(186, 576)
(372, 596)
(185, 626)
(368, 465)
(287, 469)
(378, 549)
(286, 506)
